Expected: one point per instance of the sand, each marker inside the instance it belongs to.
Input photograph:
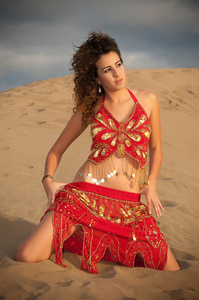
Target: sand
(32, 117)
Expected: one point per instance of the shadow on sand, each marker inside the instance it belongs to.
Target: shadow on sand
(12, 232)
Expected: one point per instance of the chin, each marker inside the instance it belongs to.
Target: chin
(120, 87)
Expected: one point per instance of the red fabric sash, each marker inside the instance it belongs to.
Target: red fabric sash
(115, 226)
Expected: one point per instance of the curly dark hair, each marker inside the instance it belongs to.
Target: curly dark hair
(84, 65)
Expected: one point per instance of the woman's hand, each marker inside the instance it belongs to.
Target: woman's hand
(51, 187)
(151, 196)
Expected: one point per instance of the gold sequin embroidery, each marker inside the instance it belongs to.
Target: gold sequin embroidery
(95, 131)
(112, 124)
(100, 118)
(107, 135)
(134, 136)
(120, 150)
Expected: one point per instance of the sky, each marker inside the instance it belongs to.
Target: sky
(37, 36)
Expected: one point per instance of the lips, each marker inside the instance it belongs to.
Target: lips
(119, 81)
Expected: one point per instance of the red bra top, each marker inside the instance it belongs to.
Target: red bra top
(110, 136)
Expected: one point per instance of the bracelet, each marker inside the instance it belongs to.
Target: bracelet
(147, 182)
(47, 176)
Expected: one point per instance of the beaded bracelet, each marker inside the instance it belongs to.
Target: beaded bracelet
(47, 176)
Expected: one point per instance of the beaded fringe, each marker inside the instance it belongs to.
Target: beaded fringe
(106, 169)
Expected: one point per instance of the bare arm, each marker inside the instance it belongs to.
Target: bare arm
(155, 148)
(155, 155)
(72, 130)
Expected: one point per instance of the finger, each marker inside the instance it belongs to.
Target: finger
(48, 204)
(160, 207)
(149, 206)
(50, 201)
(160, 204)
(157, 210)
(143, 190)
(158, 213)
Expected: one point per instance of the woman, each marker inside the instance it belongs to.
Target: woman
(99, 215)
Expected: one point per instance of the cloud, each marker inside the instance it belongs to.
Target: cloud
(36, 36)
(133, 60)
(29, 63)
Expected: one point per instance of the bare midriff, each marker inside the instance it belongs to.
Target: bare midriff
(118, 178)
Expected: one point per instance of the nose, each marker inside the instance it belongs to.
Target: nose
(116, 72)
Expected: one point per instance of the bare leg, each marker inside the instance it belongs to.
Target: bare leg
(171, 264)
(39, 245)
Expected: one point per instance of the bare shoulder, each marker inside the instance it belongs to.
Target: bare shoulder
(147, 99)
(75, 122)
(145, 95)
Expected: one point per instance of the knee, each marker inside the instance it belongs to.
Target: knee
(172, 268)
(22, 255)
(176, 267)
(171, 264)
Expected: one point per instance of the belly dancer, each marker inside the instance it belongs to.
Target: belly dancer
(99, 215)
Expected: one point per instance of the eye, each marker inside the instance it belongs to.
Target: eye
(107, 70)
(119, 65)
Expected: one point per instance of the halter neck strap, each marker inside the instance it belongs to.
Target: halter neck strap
(132, 95)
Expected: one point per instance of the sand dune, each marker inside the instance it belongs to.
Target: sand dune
(32, 117)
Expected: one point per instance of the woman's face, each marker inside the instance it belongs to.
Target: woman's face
(111, 72)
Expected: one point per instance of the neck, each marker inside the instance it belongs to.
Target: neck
(117, 96)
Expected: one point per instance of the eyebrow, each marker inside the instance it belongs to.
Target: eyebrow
(110, 66)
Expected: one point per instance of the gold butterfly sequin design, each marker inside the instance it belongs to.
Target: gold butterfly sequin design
(132, 134)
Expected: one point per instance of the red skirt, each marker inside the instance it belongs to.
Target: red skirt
(115, 226)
